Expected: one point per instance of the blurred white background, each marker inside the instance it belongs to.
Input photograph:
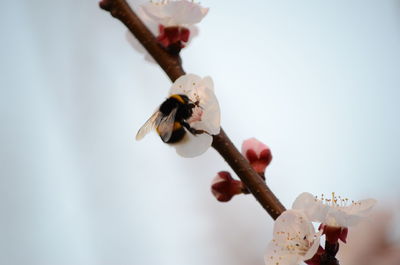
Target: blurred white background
(318, 81)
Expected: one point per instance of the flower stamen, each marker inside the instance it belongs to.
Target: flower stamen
(335, 201)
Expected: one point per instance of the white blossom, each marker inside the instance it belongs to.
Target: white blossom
(153, 24)
(206, 116)
(174, 13)
(294, 240)
(334, 211)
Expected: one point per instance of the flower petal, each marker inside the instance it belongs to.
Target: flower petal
(192, 146)
(185, 84)
(314, 247)
(156, 12)
(315, 210)
(148, 21)
(211, 117)
(275, 255)
(361, 207)
(185, 12)
(254, 144)
(207, 82)
(333, 214)
(350, 215)
(175, 13)
(292, 223)
(294, 239)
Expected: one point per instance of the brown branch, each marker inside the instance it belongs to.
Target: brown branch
(246, 173)
(172, 66)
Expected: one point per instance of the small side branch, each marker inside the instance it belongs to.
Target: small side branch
(172, 66)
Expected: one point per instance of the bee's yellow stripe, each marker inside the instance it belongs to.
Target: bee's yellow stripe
(177, 126)
(178, 97)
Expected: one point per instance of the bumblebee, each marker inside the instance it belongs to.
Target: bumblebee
(170, 120)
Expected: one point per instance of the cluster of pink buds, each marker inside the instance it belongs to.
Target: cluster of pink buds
(224, 187)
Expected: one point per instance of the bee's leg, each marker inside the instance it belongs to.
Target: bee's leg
(192, 130)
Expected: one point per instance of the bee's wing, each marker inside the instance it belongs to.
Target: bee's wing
(166, 126)
(149, 125)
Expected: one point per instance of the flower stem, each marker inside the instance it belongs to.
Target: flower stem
(328, 258)
(172, 66)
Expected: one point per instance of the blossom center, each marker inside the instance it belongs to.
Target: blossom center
(297, 244)
(196, 116)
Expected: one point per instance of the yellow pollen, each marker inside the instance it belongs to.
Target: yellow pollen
(335, 201)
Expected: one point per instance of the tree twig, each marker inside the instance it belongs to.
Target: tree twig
(172, 66)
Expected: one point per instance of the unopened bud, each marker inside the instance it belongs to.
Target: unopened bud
(258, 154)
(224, 187)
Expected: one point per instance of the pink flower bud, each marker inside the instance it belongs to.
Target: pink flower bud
(334, 233)
(258, 154)
(224, 187)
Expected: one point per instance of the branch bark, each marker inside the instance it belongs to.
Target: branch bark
(172, 66)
